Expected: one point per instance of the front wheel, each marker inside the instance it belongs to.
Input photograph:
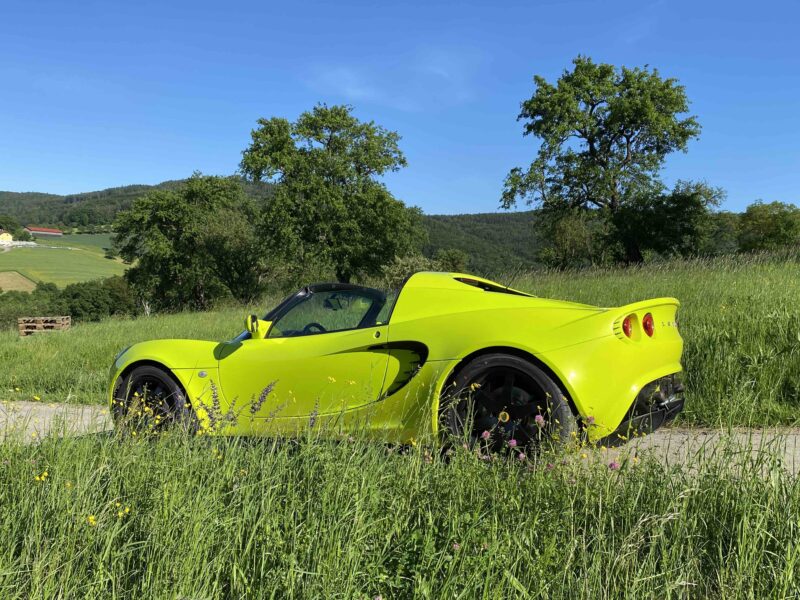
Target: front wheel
(149, 398)
(502, 401)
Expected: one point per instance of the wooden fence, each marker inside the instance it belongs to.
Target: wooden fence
(31, 325)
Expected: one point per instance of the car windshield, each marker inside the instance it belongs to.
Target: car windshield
(337, 309)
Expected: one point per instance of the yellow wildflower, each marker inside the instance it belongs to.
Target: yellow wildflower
(91, 520)
(36, 398)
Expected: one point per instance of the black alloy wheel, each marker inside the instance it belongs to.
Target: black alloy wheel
(502, 401)
(149, 399)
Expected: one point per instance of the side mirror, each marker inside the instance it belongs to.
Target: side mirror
(258, 329)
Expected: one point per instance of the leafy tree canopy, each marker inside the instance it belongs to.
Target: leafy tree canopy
(328, 207)
(671, 224)
(605, 133)
(769, 226)
(12, 226)
(191, 246)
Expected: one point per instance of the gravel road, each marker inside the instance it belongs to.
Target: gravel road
(33, 420)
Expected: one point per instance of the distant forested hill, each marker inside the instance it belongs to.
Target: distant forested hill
(87, 210)
(494, 242)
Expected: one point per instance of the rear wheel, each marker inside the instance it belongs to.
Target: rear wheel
(149, 398)
(502, 401)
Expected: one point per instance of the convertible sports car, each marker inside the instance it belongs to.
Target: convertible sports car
(447, 352)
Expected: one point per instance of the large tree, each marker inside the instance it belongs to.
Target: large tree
(605, 133)
(191, 246)
(769, 226)
(328, 207)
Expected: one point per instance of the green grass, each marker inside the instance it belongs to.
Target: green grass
(344, 518)
(13, 281)
(97, 242)
(61, 266)
(181, 517)
(740, 320)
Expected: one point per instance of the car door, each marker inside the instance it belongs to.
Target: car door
(321, 356)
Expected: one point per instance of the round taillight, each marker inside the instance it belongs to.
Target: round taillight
(648, 325)
(627, 326)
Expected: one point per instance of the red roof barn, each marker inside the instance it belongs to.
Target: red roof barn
(36, 231)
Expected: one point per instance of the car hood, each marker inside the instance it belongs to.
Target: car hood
(174, 354)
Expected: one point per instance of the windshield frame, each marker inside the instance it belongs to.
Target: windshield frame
(288, 303)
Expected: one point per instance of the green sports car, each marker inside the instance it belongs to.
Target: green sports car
(447, 352)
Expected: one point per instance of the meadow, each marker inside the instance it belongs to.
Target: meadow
(61, 265)
(177, 516)
(740, 319)
(97, 242)
(11, 280)
(197, 517)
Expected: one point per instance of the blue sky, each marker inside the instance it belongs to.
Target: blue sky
(100, 94)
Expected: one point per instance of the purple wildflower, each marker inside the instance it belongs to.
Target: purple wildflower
(539, 420)
(512, 443)
(486, 435)
(613, 465)
(521, 456)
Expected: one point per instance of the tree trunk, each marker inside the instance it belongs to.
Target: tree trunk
(633, 254)
(342, 276)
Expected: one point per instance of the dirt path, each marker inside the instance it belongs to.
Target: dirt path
(34, 420)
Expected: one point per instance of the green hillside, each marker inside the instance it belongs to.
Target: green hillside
(495, 242)
(98, 242)
(61, 266)
(90, 209)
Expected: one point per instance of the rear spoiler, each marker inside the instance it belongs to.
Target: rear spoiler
(647, 304)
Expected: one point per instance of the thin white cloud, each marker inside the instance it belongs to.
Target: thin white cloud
(643, 24)
(346, 82)
(430, 77)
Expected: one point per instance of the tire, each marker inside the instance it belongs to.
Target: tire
(149, 398)
(497, 398)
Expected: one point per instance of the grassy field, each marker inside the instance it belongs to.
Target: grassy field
(740, 321)
(11, 280)
(97, 242)
(60, 265)
(178, 517)
(196, 517)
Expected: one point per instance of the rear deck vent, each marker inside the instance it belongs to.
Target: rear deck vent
(489, 287)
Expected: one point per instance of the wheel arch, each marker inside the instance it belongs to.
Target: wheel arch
(447, 380)
(143, 363)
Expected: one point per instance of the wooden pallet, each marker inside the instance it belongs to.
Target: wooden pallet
(31, 325)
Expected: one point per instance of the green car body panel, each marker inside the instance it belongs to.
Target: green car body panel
(387, 379)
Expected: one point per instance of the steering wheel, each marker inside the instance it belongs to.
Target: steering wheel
(314, 328)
